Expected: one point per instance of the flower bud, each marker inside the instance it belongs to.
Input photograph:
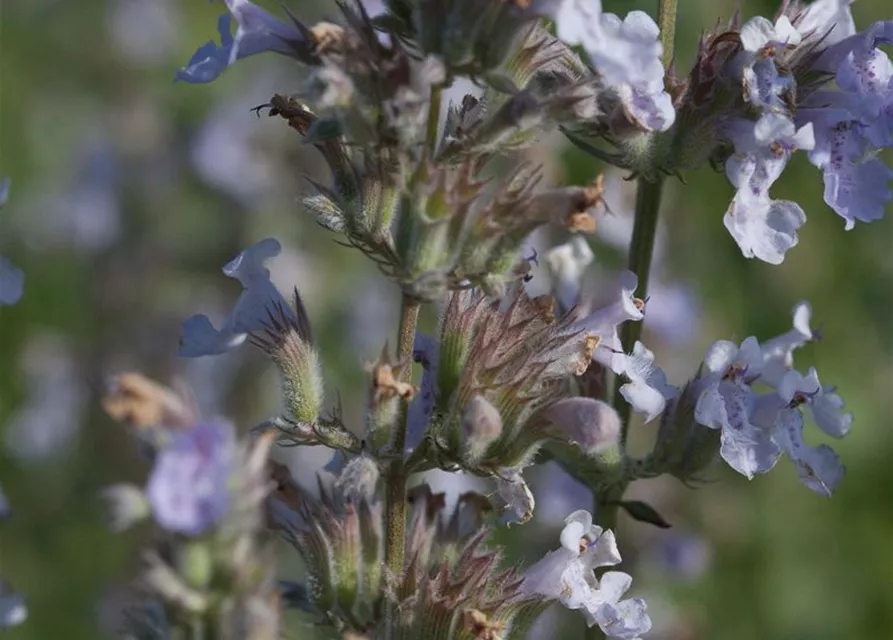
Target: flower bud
(591, 424)
(288, 343)
(359, 478)
(195, 563)
(481, 426)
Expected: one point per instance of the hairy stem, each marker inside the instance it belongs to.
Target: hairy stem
(666, 20)
(395, 493)
(433, 121)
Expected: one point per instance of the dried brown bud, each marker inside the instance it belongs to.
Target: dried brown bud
(328, 37)
(386, 382)
(479, 625)
(144, 404)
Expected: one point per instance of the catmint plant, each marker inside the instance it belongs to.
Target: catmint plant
(508, 379)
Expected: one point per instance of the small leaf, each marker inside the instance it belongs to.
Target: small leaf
(644, 512)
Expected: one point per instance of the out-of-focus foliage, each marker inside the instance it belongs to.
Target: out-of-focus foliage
(129, 192)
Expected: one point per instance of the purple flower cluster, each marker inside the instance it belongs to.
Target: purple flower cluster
(840, 125)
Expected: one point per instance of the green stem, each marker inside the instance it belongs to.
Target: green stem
(666, 19)
(641, 250)
(433, 121)
(395, 493)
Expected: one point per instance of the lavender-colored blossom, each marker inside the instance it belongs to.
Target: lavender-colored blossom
(627, 55)
(819, 468)
(251, 312)
(512, 488)
(567, 574)
(188, 489)
(257, 31)
(764, 228)
(763, 82)
(762, 149)
(647, 390)
(727, 402)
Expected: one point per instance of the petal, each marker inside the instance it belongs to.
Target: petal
(720, 355)
(644, 399)
(826, 409)
(198, 337)
(858, 190)
(568, 263)
(250, 263)
(830, 20)
(750, 356)
(425, 351)
(613, 584)
(778, 352)
(628, 619)
(819, 468)
(576, 526)
(747, 448)
(603, 552)
(13, 610)
(764, 228)
(757, 33)
(210, 60)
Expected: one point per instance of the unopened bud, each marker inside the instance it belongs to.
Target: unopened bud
(287, 342)
(359, 478)
(196, 564)
(591, 424)
(481, 426)
(126, 506)
(683, 448)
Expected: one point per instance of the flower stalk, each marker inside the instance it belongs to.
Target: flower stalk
(641, 251)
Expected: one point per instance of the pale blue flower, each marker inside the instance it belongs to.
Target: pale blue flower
(257, 31)
(188, 489)
(647, 390)
(625, 53)
(762, 150)
(761, 78)
(819, 468)
(727, 402)
(259, 300)
(567, 575)
(762, 227)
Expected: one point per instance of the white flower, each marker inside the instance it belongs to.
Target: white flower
(764, 228)
(567, 574)
(758, 32)
(647, 390)
(251, 312)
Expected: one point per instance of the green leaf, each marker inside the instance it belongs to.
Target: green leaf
(644, 512)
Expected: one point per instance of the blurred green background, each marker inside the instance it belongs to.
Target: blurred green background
(129, 192)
